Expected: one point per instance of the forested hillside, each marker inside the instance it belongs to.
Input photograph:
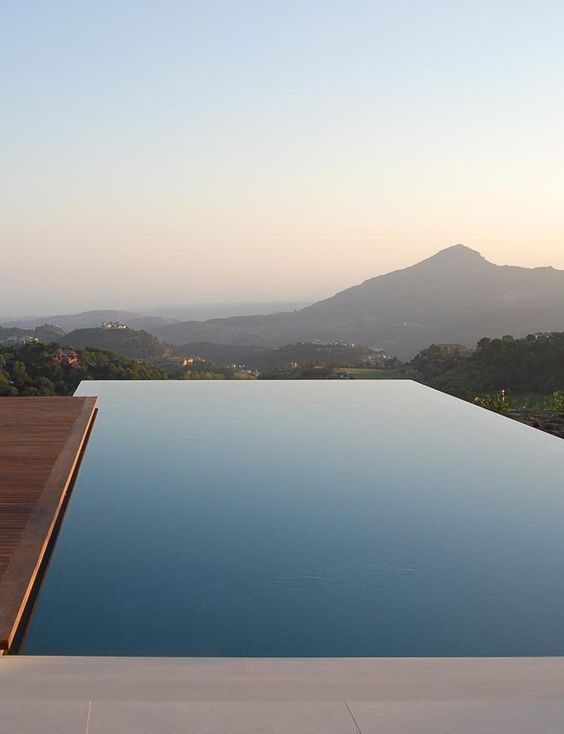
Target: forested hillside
(34, 369)
(127, 342)
(302, 353)
(534, 364)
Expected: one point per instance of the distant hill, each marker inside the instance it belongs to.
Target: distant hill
(454, 296)
(151, 319)
(45, 333)
(145, 322)
(206, 311)
(125, 342)
(261, 330)
(83, 320)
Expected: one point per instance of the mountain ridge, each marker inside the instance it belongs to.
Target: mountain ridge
(455, 295)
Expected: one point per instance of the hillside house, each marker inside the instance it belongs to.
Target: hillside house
(66, 357)
(113, 325)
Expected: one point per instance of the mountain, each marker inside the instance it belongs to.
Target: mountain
(125, 342)
(453, 296)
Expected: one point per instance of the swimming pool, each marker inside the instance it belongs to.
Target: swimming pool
(337, 518)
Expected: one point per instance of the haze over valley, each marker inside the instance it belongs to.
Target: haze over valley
(455, 296)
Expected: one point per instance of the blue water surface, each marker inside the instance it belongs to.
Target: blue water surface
(337, 518)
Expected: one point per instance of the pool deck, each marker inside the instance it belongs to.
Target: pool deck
(41, 440)
(98, 695)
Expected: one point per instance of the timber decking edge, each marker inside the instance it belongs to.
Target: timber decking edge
(20, 577)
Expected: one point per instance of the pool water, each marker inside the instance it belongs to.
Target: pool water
(337, 518)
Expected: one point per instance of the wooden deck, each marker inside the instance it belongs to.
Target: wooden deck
(41, 440)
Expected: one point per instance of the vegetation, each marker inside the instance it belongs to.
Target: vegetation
(501, 402)
(33, 369)
(314, 371)
(218, 373)
(371, 373)
(203, 369)
(285, 357)
(498, 402)
(438, 359)
(534, 364)
(322, 371)
(133, 343)
(555, 401)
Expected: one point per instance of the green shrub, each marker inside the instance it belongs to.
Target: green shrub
(555, 401)
(498, 402)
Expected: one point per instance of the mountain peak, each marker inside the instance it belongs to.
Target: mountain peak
(458, 252)
(456, 255)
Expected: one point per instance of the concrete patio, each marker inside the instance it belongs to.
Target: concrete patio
(212, 696)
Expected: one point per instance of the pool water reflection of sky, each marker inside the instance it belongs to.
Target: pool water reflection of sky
(319, 518)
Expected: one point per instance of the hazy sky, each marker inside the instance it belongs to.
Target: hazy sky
(181, 151)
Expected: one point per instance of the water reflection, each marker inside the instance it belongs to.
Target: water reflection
(306, 519)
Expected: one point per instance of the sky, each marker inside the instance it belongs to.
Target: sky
(183, 151)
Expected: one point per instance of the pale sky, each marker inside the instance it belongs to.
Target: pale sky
(181, 151)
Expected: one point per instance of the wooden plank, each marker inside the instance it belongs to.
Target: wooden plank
(41, 440)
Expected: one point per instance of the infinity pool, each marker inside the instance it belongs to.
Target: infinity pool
(338, 518)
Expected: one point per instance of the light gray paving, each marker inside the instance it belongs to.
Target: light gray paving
(262, 679)
(217, 717)
(45, 717)
(208, 696)
(459, 717)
